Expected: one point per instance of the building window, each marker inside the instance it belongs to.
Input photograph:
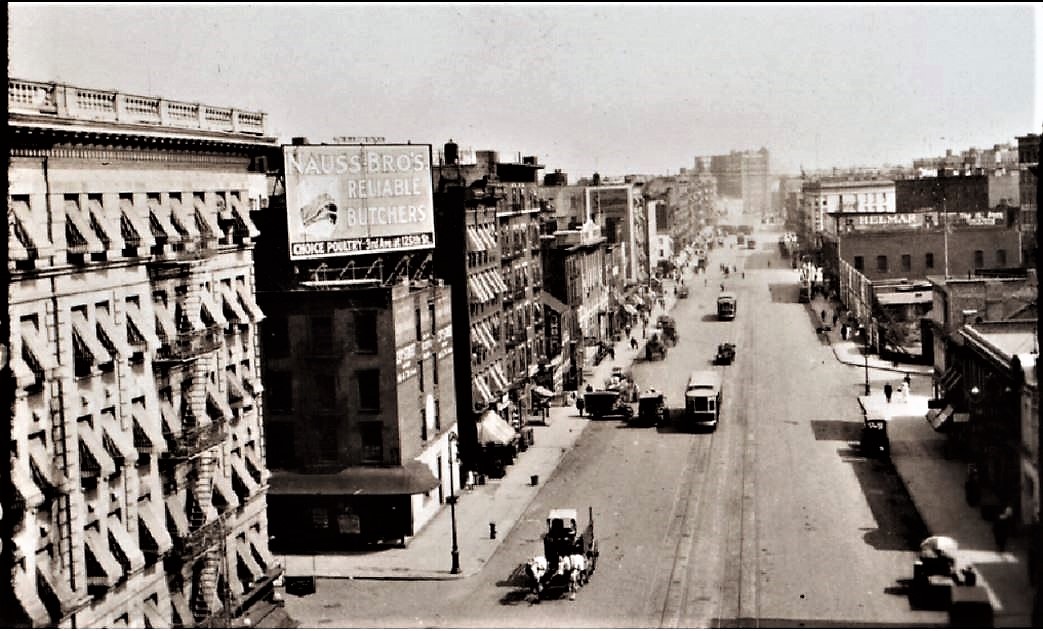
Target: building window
(366, 331)
(859, 263)
(279, 444)
(420, 372)
(979, 258)
(431, 316)
(881, 263)
(1001, 258)
(928, 260)
(321, 333)
(326, 390)
(907, 262)
(419, 331)
(329, 442)
(369, 389)
(434, 368)
(372, 435)
(423, 423)
(276, 336)
(279, 387)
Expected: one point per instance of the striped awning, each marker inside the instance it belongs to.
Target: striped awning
(474, 242)
(497, 280)
(488, 238)
(485, 396)
(938, 418)
(478, 340)
(486, 331)
(478, 293)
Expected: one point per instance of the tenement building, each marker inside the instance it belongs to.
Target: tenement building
(137, 450)
(359, 392)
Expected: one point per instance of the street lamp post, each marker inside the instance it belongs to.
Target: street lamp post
(452, 504)
(865, 354)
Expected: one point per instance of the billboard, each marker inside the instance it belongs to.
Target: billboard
(344, 200)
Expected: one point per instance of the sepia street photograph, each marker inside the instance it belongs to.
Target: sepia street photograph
(522, 315)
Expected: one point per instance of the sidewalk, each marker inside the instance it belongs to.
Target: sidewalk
(935, 482)
(428, 554)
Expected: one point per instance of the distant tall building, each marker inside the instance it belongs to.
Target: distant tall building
(741, 175)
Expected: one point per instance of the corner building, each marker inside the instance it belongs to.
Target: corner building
(137, 452)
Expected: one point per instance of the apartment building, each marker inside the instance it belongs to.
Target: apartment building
(137, 450)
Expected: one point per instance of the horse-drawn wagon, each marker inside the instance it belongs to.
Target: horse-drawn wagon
(569, 555)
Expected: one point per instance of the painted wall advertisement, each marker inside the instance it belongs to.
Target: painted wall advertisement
(344, 200)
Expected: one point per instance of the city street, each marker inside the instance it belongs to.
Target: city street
(775, 519)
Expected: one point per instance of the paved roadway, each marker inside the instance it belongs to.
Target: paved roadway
(774, 520)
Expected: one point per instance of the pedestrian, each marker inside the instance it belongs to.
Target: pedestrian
(633, 343)
(590, 388)
(836, 317)
(1001, 527)
(611, 351)
(644, 331)
(887, 392)
(908, 382)
(579, 402)
(843, 332)
(627, 329)
(903, 396)
(822, 316)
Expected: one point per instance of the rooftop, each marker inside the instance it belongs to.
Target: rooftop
(83, 109)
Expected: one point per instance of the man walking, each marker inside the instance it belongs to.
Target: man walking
(579, 403)
(887, 392)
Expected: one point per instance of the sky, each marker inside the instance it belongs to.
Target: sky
(614, 88)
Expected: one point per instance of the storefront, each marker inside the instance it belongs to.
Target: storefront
(353, 508)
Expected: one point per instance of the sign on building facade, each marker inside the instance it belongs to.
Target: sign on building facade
(344, 200)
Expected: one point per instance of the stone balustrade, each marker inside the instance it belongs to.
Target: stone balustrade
(69, 102)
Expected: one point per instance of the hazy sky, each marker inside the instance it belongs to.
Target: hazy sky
(618, 88)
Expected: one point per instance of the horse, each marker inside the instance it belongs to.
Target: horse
(574, 567)
(535, 569)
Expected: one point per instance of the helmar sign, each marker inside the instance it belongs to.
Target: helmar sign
(356, 199)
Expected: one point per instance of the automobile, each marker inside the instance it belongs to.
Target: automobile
(725, 354)
(682, 292)
(669, 328)
(602, 403)
(655, 348)
(651, 409)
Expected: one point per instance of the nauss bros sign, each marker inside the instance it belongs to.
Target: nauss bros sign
(357, 199)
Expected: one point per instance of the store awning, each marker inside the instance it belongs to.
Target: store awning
(474, 242)
(177, 514)
(223, 487)
(153, 618)
(488, 238)
(493, 429)
(98, 549)
(938, 418)
(150, 514)
(543, 392)
(411, 478)
(127, 544)
(87, 340)
(951, 379)
(217, 314)
(483, 390)
(148, 427)
(498, 281)
(553, 303)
